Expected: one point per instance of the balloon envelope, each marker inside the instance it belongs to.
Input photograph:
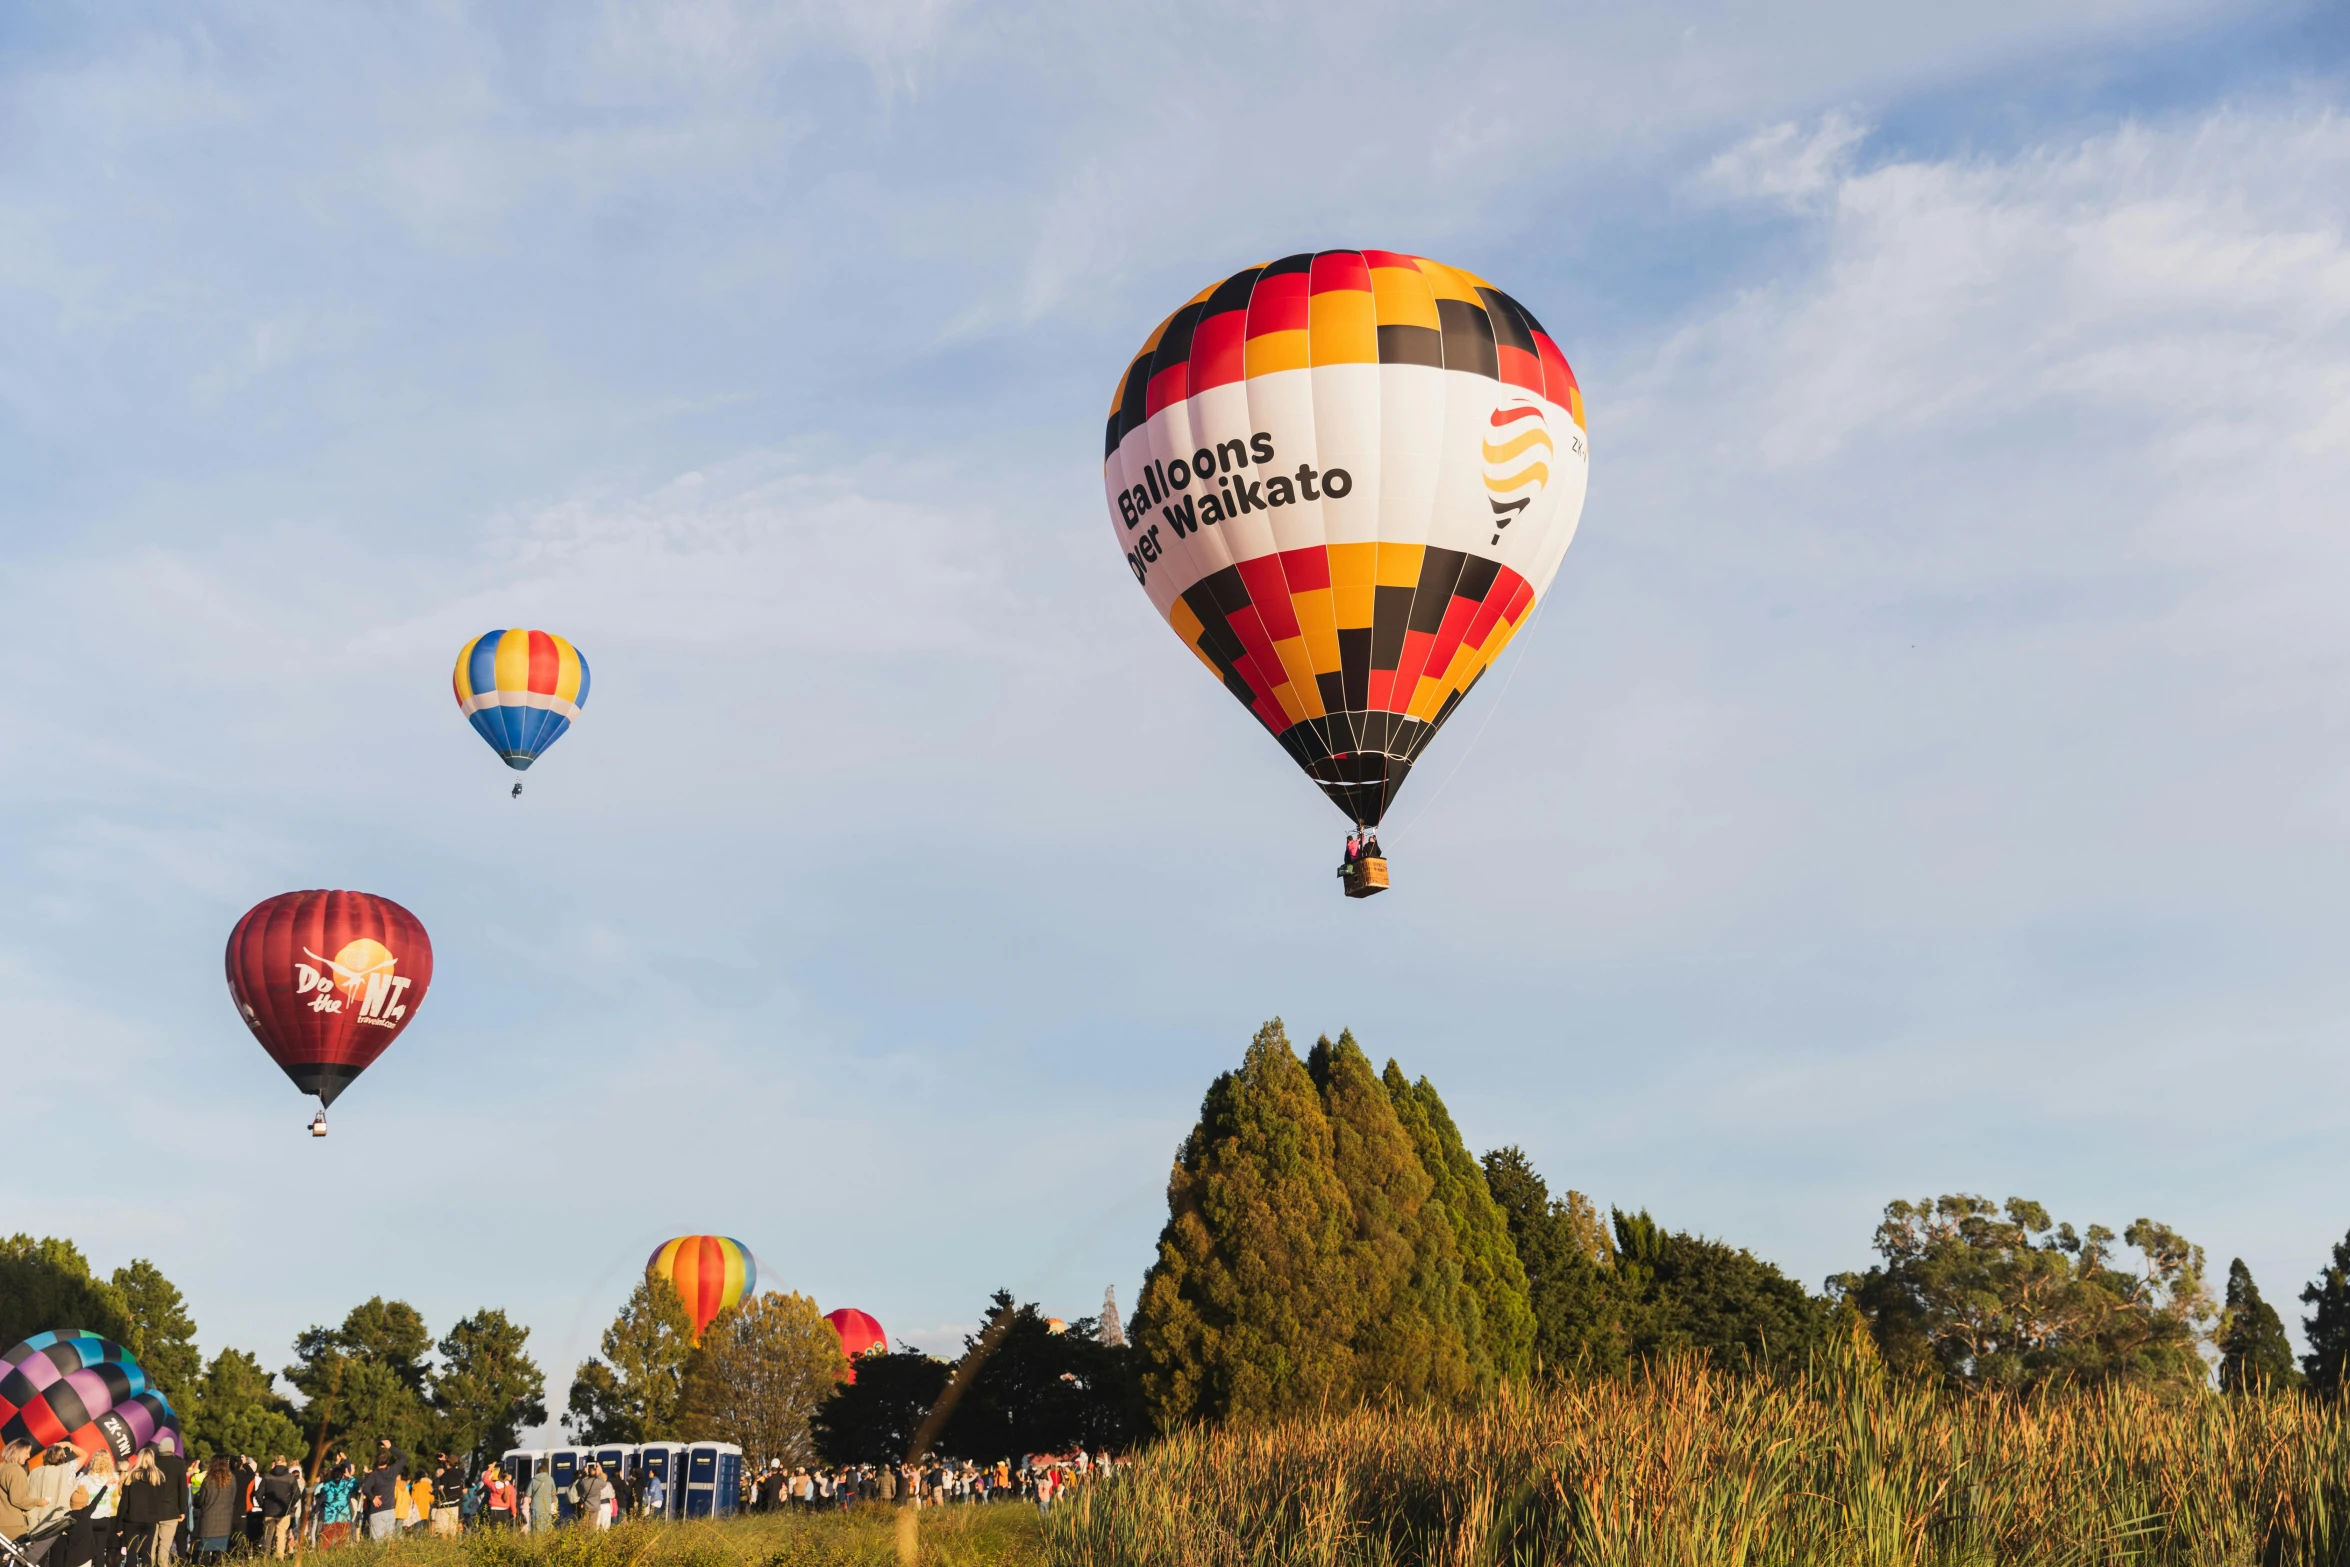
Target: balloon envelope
(859, 1333)
(326, 981)
(73, 1386)
(709, 1272)
(520, 690)
(1345, 479)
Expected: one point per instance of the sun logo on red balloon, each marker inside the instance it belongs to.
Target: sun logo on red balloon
(362, 972)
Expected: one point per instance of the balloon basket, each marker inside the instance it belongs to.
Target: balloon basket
(318, 1124)
(1364, 878)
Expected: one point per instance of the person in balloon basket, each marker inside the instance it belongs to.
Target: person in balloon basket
(279, 1492)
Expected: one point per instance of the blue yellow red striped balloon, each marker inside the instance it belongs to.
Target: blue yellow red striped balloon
(709, 1272)
(520, 690)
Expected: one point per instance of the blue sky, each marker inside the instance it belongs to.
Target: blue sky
(1927, 774)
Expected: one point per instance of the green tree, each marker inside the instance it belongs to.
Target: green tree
(373, 1368)
(873, 1420)
(46, 1284)
(1247, 1313)
(632, 1393)
(486, 1388)
(1684, 1293)
(162, 1334)
(1568, 1257)
(1042, 1391)
(2006, 1298)
(1413, 1309)
(2254, 1354)
(235, 1408)
(2327, 1327)
(1499, 1320)
(766, 1366)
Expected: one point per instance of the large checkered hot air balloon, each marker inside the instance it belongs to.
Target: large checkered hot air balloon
(520, 690)
(73, 1386)
(1346, 478)
(709, 1272)
(326, 981)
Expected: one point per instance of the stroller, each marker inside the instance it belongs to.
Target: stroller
(31, 1548)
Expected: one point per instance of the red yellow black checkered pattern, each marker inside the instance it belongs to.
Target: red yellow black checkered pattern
(1354, 633)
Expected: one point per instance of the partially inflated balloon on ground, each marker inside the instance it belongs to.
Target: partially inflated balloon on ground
(709, 1272)
(520, 690)
(73, 1386)
(1345, 479)
(326, 981)
(859, 1334)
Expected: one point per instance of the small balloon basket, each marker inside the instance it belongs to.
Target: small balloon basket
(1363, 878)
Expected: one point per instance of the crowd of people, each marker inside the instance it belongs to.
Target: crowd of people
(60, 1507)
(1038, 1478)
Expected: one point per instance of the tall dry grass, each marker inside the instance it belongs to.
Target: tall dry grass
(1682, 1466)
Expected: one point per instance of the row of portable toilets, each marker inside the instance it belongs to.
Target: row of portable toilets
(698, 1479)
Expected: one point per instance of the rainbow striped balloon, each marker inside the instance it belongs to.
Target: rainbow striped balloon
(520, 690)
(709, 1272)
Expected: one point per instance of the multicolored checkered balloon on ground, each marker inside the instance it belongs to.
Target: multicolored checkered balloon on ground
(1346, 478)
(73, 1386)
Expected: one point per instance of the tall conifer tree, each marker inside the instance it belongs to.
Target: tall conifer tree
(1416, 1311)
(1501, 1345)
(1248, 1312)
(2327, 1327)
(2254, 1354)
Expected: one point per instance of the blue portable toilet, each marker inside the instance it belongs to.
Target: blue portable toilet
(617, 1461)
(713, 1479)
(565, 1463)
(666, 1460)
(520, 1463)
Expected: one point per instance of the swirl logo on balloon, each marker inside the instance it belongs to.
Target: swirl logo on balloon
(1517, 452)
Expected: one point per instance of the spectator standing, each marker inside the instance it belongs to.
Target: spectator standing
(543, 1511)
(334, 1506)
(380, 1492)
(448, 1494)
(174, 1467)
(146, 1502)
(497, 1495)
(217, 1513)
(279, 1492)
(656, 1496)
(594, 1491)
(89, 1539)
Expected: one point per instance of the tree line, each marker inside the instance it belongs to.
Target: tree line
(767, 1375)
(380, 1374)
(1331, 1241)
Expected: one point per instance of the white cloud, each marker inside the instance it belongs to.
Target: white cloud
(1783, 163)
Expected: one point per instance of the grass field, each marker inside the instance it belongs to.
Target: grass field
(1685, 1468)
(999, 1535)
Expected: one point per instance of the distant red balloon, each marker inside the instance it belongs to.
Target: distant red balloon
(858, 1333)
(326, 981)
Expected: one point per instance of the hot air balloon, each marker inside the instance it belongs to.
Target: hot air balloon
(73, 1386)
(1345, 479)
(326, 981)
(859, 1333)
(709, 1272)
(520, 690)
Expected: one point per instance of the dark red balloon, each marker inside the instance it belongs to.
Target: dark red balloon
(326, 981)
